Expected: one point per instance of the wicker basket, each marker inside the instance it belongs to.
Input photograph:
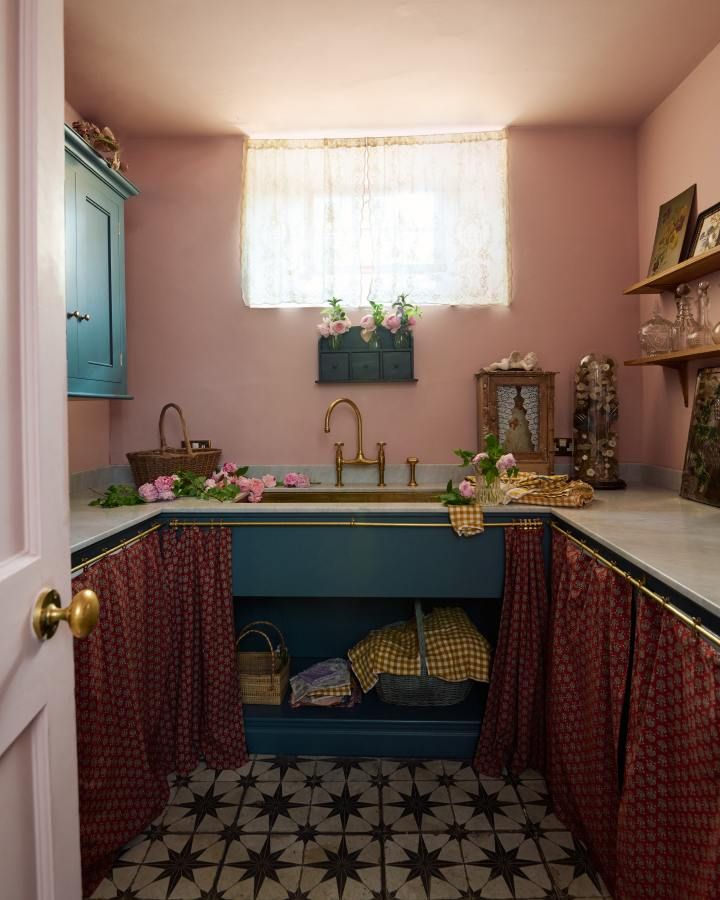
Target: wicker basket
(422, 689)
(147, 465)
(264, 675)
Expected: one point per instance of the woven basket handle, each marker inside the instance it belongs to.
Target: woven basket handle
(248, 629)
(283, 645)
(420, 623)
(161, 424)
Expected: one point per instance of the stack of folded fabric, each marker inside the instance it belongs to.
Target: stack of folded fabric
(546, 490)
(327, 683)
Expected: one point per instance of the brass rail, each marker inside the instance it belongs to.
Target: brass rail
(353, 523)
(83, 564)
(692, 621)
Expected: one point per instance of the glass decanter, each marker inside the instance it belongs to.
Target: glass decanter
(703, 334)
(684, 324)
(656, 334)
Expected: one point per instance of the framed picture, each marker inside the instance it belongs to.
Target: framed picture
(519, 407)
(199, 445)
(671, 231)
(707, 231)
(701, 472)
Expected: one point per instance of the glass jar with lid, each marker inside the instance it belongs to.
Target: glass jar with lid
(655, 334)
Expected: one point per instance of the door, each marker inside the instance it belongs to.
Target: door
(40, 858)
(99, 212)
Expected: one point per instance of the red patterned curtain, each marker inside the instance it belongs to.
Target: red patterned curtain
(513, 728)
(669, 826)
(590, 624)
(155, 684)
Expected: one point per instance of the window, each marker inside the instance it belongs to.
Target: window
(370, 218)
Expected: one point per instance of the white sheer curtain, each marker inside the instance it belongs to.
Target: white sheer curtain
(370, 218)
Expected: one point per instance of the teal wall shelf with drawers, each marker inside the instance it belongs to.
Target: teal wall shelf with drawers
(356, 361)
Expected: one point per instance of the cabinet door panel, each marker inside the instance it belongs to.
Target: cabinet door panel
(99, 284)
(71, 300)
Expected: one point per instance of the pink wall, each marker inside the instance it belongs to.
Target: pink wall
(677, 147)
(246, 378)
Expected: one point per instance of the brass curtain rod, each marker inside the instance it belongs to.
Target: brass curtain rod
(529, 524)
(692, 621)
(93, 559)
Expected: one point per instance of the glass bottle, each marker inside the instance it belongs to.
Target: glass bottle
(684, 323)
(702, 335)
(655, 334)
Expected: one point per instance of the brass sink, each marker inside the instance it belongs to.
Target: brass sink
(353, 495)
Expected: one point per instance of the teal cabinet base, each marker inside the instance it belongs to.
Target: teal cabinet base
(373, 728)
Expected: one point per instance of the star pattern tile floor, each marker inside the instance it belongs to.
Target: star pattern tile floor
(300, 828)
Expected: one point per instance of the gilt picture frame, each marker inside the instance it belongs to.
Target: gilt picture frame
(519, 408)
(706, 235)
(701, 471)
(671, 231)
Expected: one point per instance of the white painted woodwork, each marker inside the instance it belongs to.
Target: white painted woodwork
(39, 836)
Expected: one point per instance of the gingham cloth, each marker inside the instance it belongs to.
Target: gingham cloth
(466, 520)
(546, 490)
(456, 650)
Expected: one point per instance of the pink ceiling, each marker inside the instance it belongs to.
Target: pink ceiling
(326, 66)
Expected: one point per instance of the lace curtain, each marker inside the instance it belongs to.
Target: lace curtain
(370, 218)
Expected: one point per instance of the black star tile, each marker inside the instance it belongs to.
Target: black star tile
(297, 895)
(180, 864)
(380, 780)
(306, 833)
(346, 805)
(156, 832)
(279, 768)
(263, 864)
(418, 805)
(212, 894)
(505, 864)
(275, 805)
(482, 803)
(381, 832)
(202, 806)
(341, 865)
(424, 865)
(457, 832)
(231, 832)
(569, 863)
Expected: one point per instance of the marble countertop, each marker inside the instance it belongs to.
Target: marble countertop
(677, 541)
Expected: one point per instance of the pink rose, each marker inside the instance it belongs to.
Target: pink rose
(254, 496)
(148, 492)
(164, 483)
(269, 481)
(291, 479)
(339, 326)
(175, 477)
(412, 321)
(243, 483)
(210, 483)
(166, 495)
(466, 489)
(507, 461)
(367, 323)
(476, 459)
(256, 485)
(230, 468)
(392, 323)
(324, 330)
(302, 481)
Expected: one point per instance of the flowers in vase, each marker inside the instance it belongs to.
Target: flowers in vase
(490, 464)
(403, 316)
(335, 322)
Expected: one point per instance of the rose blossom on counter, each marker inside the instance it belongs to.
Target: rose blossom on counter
(230, 468)
(270, 481)
(296, 479)
(149, 492)
(164, 484)
(466, 489)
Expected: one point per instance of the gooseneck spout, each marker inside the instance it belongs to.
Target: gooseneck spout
(360, 458)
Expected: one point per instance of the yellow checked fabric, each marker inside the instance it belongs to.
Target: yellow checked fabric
(547, 490)
(338, 690)
(466, 520)
(455, 650)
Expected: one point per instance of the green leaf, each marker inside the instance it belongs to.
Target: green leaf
(118, 495)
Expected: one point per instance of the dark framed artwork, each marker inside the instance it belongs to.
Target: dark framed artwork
(519, 408)
(671, 231)
(707, 231)
(701, 472)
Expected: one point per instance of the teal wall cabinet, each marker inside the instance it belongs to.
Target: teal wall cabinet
(95, 197)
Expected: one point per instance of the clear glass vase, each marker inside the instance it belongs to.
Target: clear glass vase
(703, 334)
(335, 341)
(489, 494)
(401, 340)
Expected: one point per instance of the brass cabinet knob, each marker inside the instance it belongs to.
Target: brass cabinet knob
(81, 614)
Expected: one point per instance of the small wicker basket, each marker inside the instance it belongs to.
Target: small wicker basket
(263, 675)
(147, 465)
(422, 689)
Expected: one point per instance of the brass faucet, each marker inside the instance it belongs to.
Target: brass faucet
(360, 458)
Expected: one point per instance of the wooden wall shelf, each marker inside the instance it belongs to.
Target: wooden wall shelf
(679, 360)
(688, 270)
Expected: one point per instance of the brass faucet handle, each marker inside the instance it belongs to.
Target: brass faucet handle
(381, 463)
(412, 461)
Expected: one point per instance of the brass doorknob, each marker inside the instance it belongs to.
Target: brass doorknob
(81, 614)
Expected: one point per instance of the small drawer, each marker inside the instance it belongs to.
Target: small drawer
(334, 366)
(365, 366)
(397, 365)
